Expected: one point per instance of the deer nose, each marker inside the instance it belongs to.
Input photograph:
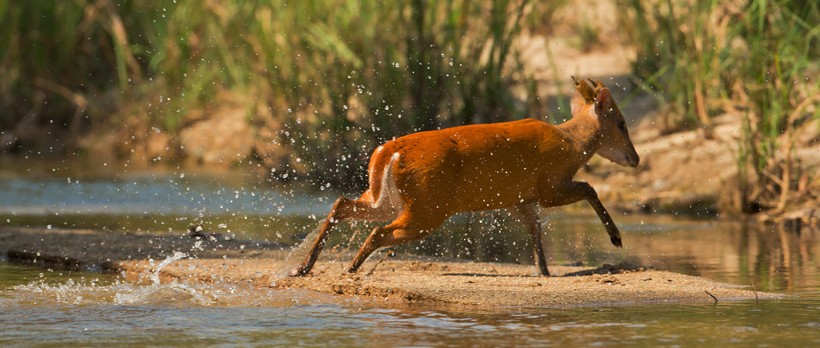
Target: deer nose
(633, 160)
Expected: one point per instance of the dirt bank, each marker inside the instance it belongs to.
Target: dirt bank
(484, 285)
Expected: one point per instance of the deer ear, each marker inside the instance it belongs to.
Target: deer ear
(603, 101)
(597, 85)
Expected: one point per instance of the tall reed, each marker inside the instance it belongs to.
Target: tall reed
(331, 78)
(756, 57)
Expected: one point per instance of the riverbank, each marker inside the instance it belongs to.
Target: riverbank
(405, 281)
(695, 173)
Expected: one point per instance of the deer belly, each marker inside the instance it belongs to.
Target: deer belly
(483, 190)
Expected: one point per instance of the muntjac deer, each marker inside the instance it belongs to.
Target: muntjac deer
(421, 179)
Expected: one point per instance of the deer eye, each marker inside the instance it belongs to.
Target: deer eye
(622, 126)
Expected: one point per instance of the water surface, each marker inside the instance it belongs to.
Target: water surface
(52, 307)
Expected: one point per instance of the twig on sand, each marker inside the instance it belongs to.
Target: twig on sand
(715, 298)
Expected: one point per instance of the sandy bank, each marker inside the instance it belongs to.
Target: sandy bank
(485, 285)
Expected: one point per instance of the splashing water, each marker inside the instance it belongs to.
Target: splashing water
(172, 292)
(71, 292)
(82, 292)
(297, 253)
(178, 255)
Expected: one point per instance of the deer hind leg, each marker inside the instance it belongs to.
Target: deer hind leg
(343, 209)
(404, 229)
(528, 215)
(576, 191)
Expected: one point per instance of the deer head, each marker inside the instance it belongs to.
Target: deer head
(595, 100)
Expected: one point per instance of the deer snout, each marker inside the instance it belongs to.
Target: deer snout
(633, 159)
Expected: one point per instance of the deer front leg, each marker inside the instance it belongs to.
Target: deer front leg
(528, 215)
(576, 191)
(611, 229)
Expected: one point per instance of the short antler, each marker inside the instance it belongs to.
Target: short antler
(585, 90)
(598, 85)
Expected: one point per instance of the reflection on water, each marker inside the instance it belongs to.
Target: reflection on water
(764, 257)
(40, 306)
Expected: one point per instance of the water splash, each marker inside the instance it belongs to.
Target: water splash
(84, 292)
(94, 291)
(178, 255)
(70, 292)
(170, 292)
(297, 253)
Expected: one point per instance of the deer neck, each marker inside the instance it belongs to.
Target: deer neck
(584, 132)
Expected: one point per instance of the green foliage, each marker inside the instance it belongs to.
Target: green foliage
(677, 53)
(338, 75)
(756, 57)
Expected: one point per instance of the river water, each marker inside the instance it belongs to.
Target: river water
(40, 307)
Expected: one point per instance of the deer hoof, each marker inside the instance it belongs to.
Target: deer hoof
(297, 272)
(616, 241)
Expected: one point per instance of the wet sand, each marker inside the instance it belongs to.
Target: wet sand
(260, 264)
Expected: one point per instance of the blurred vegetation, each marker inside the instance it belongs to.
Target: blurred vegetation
(330, 80)
(327, 81)
(755, 58)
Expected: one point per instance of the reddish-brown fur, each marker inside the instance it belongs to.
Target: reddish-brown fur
(518, 165)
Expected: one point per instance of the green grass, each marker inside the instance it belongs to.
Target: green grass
(757, 58)
(333, 78)
(340, 76)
